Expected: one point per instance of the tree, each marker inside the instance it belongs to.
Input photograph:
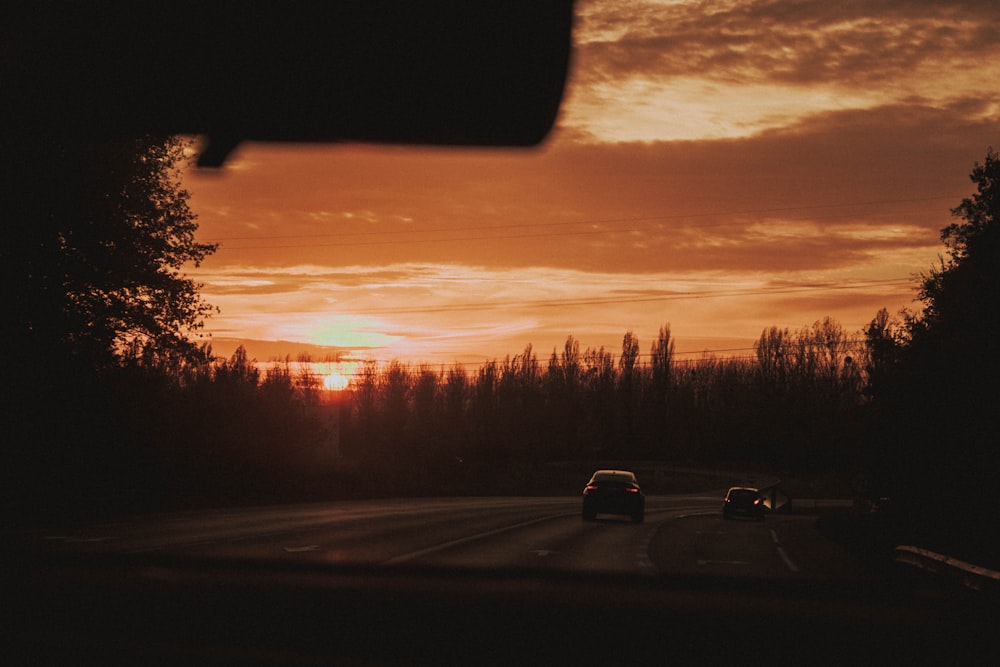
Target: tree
(661, 361)
(884, 341)
(98, 237)
(773, 356)
(830, 343)
(961, 304)
(629, 374)
(630, 354)
(941, 403)
(955, 343)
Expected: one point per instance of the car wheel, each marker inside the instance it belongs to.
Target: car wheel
(589, 516)
(638, 517)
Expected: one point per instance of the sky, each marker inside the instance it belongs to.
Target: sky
(718, 167)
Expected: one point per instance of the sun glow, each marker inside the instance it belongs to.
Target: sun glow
(335, 382)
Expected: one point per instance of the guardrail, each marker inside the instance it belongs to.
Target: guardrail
(966, 574)
(822, 503)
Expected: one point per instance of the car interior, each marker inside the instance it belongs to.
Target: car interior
(434, 72)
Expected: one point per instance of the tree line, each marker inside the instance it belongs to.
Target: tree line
(230, 428)
(797, 403)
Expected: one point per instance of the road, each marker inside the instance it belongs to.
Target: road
(682, 535)
(469, 581)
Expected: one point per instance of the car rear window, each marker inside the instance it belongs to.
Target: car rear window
(609, 477)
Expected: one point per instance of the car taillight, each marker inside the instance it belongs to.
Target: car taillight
(757, 501)
(590, 487)
(631, 489)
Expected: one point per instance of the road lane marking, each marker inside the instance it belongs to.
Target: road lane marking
(723, 562)
(471, 538)
(642, 559)
(788, 561)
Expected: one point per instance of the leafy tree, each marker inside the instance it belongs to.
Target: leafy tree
(943, 396)
(884, 341)
(99, 234)
(961, 304)
(96, 237)
(955, 344)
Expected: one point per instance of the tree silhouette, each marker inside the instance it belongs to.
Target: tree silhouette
(960, 298)
(939, 403)
(97, 238)
(884, 341)
(629, 378)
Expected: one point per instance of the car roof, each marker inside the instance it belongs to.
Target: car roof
(743, 488)
(606, 474)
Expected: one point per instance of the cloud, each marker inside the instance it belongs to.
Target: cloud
(453, 313)
(834, 179)
(723, 166)
(861, 42)
(690, 70)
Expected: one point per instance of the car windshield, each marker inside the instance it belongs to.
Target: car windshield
(748, 253)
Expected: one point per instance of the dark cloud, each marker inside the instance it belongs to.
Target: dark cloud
(698, 205)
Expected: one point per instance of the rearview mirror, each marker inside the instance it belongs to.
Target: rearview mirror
(430, 72)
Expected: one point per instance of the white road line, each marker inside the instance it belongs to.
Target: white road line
(471, 538)
(642, 558)
(788, 561)
(699, 513)
(723, 562)
(792, 567)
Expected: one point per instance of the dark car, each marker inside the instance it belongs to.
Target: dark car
(613, 492)
(744, 501)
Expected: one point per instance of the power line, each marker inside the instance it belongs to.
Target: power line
(547, 225)
(610, 300)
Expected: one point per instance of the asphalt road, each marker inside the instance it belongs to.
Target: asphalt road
(471, 581)
(682, 535)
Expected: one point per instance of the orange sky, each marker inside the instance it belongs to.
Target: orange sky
(719, 166)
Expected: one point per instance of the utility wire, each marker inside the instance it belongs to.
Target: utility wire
(341, 236)
(610, 300)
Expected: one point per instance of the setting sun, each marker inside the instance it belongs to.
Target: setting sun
(335, 382)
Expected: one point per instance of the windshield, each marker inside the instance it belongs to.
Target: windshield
(724, 265)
